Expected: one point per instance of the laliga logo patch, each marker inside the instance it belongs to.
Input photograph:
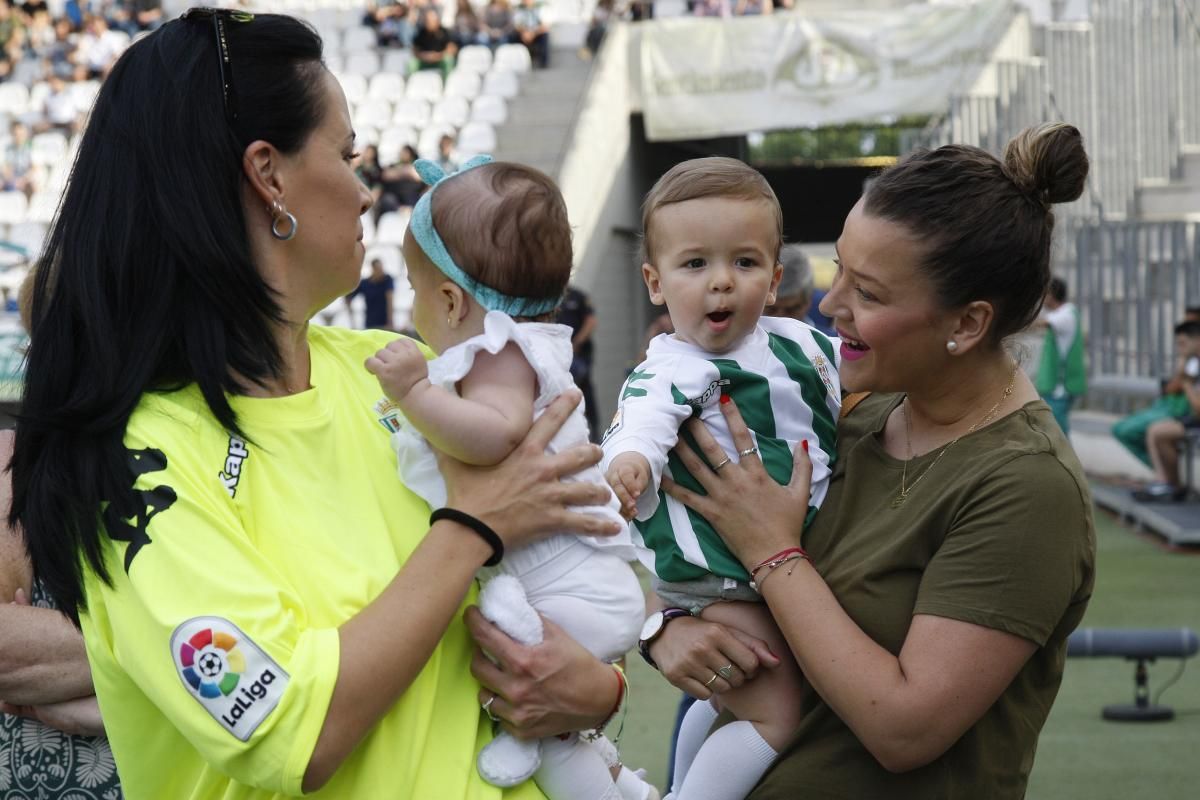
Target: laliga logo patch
(227, 673)
(389, 414)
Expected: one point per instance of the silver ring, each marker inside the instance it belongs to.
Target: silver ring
(726, 672)
(753, 451)
(723, 463)
(710, 680)
(487, 708)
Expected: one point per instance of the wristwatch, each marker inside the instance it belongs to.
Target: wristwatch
(653, 627)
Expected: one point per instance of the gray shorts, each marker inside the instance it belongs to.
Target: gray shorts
(701, 593)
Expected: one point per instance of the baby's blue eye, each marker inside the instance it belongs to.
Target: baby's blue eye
(695, 263)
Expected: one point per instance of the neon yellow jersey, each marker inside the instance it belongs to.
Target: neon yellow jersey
(215, 651)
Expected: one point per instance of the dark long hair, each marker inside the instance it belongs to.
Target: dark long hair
(146, 282)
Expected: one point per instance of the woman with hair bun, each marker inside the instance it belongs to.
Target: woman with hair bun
(929, 602)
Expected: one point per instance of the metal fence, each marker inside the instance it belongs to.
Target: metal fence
(1129, 78)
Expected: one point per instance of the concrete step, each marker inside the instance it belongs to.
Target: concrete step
(1189, 165)
(1163, 199)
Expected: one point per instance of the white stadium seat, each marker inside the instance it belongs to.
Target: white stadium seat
(425, 84)
(452, 110)
(476, 138)
(489, 108)
(358, 40)
(42, 206)
(387, 85)
(412, 112)
(13, 207)
(392, 140)
(364, 135)
(84, 94)
(389, 254)
(396, 61)
(374, 113)
(391, 227)
(30, 235)
(14, 98)
(474, 58)
(514, 57)
(463, 84)
(501, 82)
(354, 86)
(431, 137)
(361, 64)
(49, 148)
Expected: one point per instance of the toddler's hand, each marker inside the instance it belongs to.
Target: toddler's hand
(628, 475)
(399, 366)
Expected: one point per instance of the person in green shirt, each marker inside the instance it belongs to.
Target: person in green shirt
(929, 603)
(1062, 372)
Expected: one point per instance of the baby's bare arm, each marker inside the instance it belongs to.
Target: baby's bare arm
(489, 418)
(628, 475)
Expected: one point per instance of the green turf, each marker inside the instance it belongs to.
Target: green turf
(1080, 756)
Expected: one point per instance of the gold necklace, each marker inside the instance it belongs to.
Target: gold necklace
(904, 487)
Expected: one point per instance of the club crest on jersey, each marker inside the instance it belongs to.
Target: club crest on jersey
(232, 473)
(388, 414)
(228, 674)
(822, 367)
(708, 394)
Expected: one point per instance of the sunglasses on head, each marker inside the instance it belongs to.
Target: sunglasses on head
(219, 17)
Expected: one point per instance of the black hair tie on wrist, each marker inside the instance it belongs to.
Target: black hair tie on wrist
(477, 525)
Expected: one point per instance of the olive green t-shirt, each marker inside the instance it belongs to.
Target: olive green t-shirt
(999, 534)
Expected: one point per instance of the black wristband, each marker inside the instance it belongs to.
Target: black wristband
(477, 525)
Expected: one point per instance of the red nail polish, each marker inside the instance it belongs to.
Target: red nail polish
(724, 399)
(804, 444)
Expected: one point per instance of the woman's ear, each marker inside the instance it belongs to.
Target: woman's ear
(973, 326)
(261, 163)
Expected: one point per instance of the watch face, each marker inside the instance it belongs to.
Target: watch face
(652, 626)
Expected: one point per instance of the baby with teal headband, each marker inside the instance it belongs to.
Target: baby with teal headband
(488, 252)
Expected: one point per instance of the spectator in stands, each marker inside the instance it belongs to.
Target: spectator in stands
(432, 46)
(16, 173)
(61, 54)
(59, 108)
(533, 32)
(498, 23)
(1130, 431)
(641, 10)
(147, 14)
(753, 8)
(12, 37)
(370, 172)
(99, 46)
(1164, 435)
(377, 291)
(468, 29)
(576, 312)
(711, 8)
(602, 14)
(391, 23)
(447, 157)
(214, 502)
(401, 186)
(793, 298)
(1062, 374)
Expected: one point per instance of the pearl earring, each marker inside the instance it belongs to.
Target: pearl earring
(952, 346)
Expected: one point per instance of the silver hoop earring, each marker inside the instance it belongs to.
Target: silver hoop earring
(287, 235)
(952, 346)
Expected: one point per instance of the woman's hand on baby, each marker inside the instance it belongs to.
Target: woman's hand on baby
(399, 366)
(628, 475)
(523, 498)
(755, 516)
(691, 650)
(544, 689)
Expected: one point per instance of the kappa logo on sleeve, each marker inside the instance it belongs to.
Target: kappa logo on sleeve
(227, 673)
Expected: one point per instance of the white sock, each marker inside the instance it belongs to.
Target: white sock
(693, 731)
(728, 765)
(574, 770)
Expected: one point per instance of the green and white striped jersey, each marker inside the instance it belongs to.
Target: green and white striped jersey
(783, 377)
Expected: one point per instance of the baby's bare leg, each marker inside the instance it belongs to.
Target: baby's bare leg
(772, 700)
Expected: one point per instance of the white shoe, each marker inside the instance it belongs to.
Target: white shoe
(506, 760)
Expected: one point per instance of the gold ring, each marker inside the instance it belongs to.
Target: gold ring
(723, 463)
(726, 672)
(487, 709)
(710, 680)
(748, 452)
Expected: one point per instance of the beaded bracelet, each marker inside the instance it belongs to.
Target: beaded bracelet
(479, 526)
(622, 695)
(782, 557)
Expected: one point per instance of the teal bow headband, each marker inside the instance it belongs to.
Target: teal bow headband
(421, 225)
